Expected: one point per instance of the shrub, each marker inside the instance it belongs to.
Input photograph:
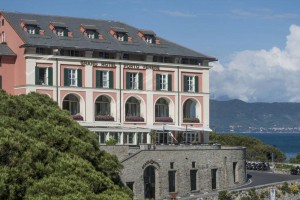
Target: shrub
(134, 119)
(104, 118)
(163, 119)
(111, 141)
(191, 120)
(224, 195)
(294, 189)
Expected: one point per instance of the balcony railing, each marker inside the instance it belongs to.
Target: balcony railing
(134, 119)
(104, 118)
(163, 119)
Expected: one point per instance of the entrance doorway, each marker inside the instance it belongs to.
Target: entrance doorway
(149, 182)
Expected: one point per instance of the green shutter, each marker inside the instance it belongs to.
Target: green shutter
(98, 76)
(37, 30)
(50, 76)
(153, 39)
(37, 75)
(0, 82)
(96, 35)
(140, 81)
(79, 77)
(196, 84)
(185, 82)
(111, 79)
(66, 77)
(127, 80)
(125, 37)
(158, 76)
(169, 82)
(66, 33)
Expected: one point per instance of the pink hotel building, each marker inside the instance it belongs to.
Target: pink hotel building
(119, 81)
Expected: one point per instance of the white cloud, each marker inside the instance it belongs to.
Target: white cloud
(264, 75)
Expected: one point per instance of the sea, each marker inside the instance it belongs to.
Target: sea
(289, 143)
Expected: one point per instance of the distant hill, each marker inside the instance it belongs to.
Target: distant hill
(239, 116)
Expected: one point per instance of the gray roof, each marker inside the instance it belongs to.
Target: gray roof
(6, 51)
(79, 41)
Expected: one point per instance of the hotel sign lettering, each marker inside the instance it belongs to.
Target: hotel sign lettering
(113, 65)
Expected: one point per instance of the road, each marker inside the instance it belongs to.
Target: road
(262, 178)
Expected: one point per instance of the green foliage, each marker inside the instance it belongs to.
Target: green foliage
(296, 159)
(256, 149)
(111, 141)
(284, 166)
(45, 154)
(224, 195)
(285, 188)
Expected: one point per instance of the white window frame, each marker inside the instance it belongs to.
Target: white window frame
(91, 34)
(73, 77)
(60, 32)
(134, 80)
(31, 30)
(120, 36)
(164, 82)
(105, 79)
(191, 83)
(148, 39)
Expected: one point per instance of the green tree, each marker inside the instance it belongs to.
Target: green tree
(46, 154)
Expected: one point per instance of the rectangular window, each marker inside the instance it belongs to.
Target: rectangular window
(0, 82)
(164, 82)
(172, 181)
(193, 179)
(149, 39)
(91, 34)
(120, 36)
(171, 165)
(40, 50)
(193, 164)
(134, 81)
(43, 75)
(72, 77)
(2, 22)
(31, 30)
(104, 55)
(130, 185)
(105, 79)
(102, 137)
(234, 172)
(191, 83)
(214, 179)
(142, 138)
(128, 138)
(3, 37)
(60, 32)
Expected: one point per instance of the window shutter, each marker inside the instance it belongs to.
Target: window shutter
(50, 76)
(125, 37)
(79, 77)
(196, 84)
(66, 77)
(98, 77)
(153, 39)
(185, 82)
(111, 79)
(66, 33)
(169, 82)
(140, 81)
(37, 30)
(37, 75)
(158, 81)
(96, 35)
(127, 80)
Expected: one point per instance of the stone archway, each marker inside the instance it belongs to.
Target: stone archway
(149, 182)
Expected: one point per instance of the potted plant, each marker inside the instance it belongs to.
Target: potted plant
(77, 117)
(104, 118)
(191, 120)
(163, 119)
(134, 119)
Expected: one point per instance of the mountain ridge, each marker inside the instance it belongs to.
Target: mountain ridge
(238, 116)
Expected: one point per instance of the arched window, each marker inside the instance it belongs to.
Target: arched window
(189, 109)
(132, 107)
(161, 108)
(102, 106)
(71, 103)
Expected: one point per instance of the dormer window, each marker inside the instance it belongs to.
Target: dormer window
(60, 32)
(32, 29)
(149, 39)
(91, 34)
(120, 36)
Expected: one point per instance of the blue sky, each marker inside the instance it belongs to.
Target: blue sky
(243, 34)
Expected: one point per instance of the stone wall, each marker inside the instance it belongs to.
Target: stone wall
(221, 159)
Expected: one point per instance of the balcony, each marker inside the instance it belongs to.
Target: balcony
(104, 118)
(134, 119)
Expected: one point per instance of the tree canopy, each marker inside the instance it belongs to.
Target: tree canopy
(256, 149)
(45, 154)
